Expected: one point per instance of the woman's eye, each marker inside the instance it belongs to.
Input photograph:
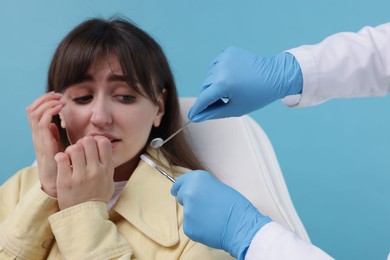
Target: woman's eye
(125, 98)
(83, 99)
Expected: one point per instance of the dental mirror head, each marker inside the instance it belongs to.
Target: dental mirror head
(156, 143)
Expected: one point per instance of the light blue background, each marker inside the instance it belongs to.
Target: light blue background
(335, 157)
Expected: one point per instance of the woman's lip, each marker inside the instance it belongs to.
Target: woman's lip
(114, 143)
(108, 136)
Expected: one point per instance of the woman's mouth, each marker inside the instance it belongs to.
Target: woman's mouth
(113, 139)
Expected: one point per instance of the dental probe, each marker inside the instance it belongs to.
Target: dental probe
(151, 163)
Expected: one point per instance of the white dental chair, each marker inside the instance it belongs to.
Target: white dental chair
(239, 153)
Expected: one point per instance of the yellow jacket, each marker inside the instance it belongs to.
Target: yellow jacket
(145, 223)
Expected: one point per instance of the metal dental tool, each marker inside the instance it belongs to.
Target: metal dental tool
(158, 142)
(151, 163)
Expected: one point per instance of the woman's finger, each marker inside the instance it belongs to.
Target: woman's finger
(104, 149)
(45, 112)
(77, 156)
(91, 151)
(64, 170)
(42, 99)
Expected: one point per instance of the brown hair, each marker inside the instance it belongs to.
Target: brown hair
(144, 65)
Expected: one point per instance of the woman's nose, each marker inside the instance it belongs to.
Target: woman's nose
(101, 114)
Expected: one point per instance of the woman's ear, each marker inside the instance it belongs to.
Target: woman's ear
(161, 108)
(63, 125)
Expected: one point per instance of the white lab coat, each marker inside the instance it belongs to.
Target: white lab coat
(273, 241)
(344, 65)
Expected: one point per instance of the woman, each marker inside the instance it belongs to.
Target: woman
(110, 91)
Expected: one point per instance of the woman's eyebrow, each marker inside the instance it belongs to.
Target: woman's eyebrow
(116, 77)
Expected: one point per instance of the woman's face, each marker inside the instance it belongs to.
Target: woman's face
(104, 104)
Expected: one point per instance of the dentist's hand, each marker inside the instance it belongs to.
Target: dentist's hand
(215, 214)
(46, 138)
(250, 82)
(85, 172)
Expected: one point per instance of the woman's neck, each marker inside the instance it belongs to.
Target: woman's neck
(124, 171)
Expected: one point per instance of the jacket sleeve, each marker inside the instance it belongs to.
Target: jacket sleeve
(84, 231)
(24, 230)
(273, 241)
(344, 65)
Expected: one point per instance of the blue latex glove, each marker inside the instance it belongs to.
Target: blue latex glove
(215, 214)
(250, 81)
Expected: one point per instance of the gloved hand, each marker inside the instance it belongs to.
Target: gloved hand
(250, 81)
(215, 214)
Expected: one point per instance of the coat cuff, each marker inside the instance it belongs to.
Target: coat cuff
(310, 76)
(26, 231)
(84, 231)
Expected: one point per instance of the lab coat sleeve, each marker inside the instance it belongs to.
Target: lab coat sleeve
(84, 231)
(273, 241)
(24, 230)
(344, 65)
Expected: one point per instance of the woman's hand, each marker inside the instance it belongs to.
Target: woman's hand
(85, 172)
(46, 138)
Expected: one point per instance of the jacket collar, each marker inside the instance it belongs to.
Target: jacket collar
(146, 202)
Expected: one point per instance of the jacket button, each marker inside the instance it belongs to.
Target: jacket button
(47, 243)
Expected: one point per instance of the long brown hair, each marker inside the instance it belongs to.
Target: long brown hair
(144, 65)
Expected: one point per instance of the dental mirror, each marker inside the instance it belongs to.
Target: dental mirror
(158, 142)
